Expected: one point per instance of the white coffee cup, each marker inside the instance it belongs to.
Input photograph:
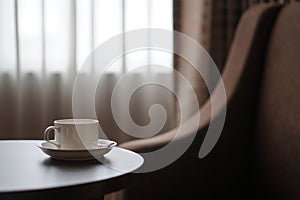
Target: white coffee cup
(74, 134)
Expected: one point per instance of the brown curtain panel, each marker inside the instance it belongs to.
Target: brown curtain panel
(212, 24)
(193, 18)
(225, 16)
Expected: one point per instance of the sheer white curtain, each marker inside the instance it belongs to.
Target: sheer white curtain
(45, 42)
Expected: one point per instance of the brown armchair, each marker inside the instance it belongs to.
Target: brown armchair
(259, 149)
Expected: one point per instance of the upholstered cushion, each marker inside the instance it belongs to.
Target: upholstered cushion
(278, 127)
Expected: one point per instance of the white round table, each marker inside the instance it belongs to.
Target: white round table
(27, 173)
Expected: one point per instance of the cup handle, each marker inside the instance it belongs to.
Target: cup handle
(46, 135)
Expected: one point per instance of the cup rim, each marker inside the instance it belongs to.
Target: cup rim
(75, 121)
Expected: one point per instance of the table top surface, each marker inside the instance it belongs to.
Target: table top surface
(24, 167)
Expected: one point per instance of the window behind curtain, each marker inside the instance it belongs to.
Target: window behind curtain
(45, 42)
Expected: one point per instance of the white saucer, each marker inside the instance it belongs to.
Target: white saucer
(82, 154)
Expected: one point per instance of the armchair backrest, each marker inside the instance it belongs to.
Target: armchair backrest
(278, 122)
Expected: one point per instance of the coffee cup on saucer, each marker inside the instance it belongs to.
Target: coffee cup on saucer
(74, 134)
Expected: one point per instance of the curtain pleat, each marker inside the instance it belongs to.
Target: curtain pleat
(19, 117)
(9, 99)
(43, 65)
